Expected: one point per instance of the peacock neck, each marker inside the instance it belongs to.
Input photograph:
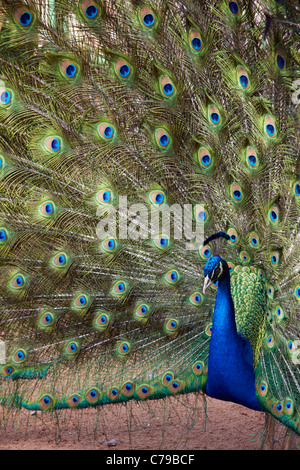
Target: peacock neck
(230, 364)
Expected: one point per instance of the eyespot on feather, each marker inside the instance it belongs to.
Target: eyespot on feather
(273, 214)
(231, 266)
(297, 292)
(109, 245)
(105, 196)
(175, 386)
(172, 276)
(74, 400)
(270, 341)
(148, 18)
(162, 242)
(163, 139)
(205, 252)
(101, 321)
(234, 8)
(270, 127)
(252, 158)
(234, 238)
(280, 60)
(205, 158)
(142, 311)
(195, 41)
(270, 291)
(120, 288)
(90, 10)
(72, 348)
(128, 388)
(236, 193)
(167, 378)
(157, 198)
(80, 301)
(123, 69)
(46, 320)
(196, 298)
(60, 260)
(198, 368)
(69, 69)
(296, 189)
(167, 87)
(274, 258)
(172, 326)
(245, 257)
(113, 393)
(93, 395)
(254, 240)
(53, 144)
(7, 370)
(208, 329)
(143, 391)
(6, 97)
(262, 388)
(106, 131)
(46, 402)
(24, 17)
(123, 348)
(288, 406)
(19, 356)
(214, 116)
(279, 312)
(47, 209)
(201, 214)
(243, 78)
(18, 281)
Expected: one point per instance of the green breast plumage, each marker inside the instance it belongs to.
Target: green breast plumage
(249, 294)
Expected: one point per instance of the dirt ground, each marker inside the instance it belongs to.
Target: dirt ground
(173, 425)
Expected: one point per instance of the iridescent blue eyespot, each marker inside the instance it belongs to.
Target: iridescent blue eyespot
(73, 347)
(273, 259)
(163, 241)
(252, 160)
(106, 196)
(280, 61)
(20, 355)
(25, 19)
(71, 70)
(206, 160)
(61, 259)
(279, 407)
(244, 81)
(82, 300)
(108, 132)
(168, 89)
(164, 140)
(234, 8)
(175, 385)
(207, 252)
(145, 390)
(148, 20)
(297, 189)
(124, 70)
(233, 238)
(91, 12)
(168, 377)
(202, 215)
(55, 145)
(46, 400)
(19, 280)
(5, 97)
(173, 324)
(237, 194)
(270, 129)
(254, 241)
(128, 387)
(3, 235)
(298, 292)
(273, 216)
(48, 318)
(114, 391)
(159, 198)
(197, 298)
(49, 208)
(290, 345)
(197, 44)
(121, 286)
(215, 118)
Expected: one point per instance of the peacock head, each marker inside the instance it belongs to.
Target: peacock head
(213, 271)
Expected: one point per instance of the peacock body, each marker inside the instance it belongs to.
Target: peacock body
(113, 115)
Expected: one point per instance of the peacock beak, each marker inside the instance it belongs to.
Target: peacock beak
(207, 283)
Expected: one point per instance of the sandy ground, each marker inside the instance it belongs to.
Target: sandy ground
(174, 425)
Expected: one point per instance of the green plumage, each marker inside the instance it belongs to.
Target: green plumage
(113, 109)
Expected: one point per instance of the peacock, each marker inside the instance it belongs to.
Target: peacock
(150, 202)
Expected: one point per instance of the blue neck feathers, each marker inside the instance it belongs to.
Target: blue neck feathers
(230, 364)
